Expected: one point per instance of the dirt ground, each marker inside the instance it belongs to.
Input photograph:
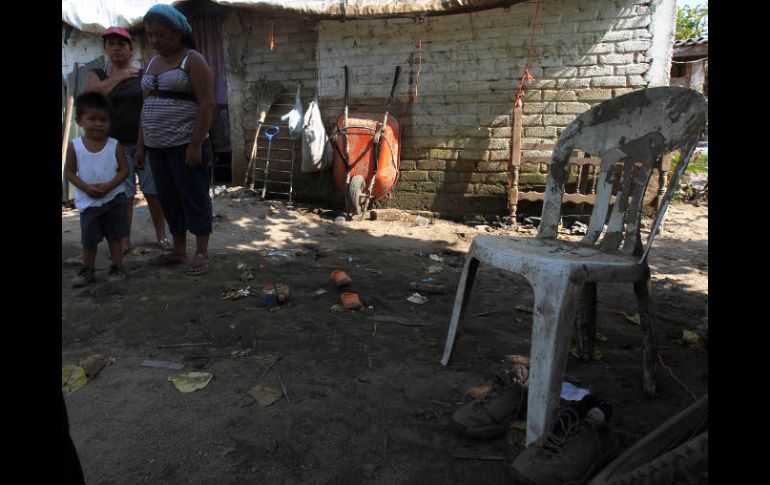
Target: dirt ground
(366, 403)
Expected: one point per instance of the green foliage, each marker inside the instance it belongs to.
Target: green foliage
(692, 22)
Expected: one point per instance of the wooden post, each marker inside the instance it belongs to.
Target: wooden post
(67, 127)
(516, 132)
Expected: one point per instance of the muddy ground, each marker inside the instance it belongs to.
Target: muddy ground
(366, 404)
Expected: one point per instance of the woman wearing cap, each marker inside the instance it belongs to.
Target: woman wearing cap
(120, 82)
(176, 117)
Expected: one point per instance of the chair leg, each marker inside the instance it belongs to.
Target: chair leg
(586, 321)
(556, 299)
(461, 302)
(647, 323)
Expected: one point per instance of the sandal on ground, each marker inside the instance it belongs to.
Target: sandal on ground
(166, 260)
(199, 267)
(165, 244)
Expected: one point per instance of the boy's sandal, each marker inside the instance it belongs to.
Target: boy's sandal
(165, 244)
(165, 260)
(198, 268)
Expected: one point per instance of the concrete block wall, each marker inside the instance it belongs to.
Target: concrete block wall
(456, 134)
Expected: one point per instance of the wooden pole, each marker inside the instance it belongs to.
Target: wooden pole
(515, 157)
(67, 128)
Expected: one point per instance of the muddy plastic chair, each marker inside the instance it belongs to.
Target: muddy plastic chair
(635, 129)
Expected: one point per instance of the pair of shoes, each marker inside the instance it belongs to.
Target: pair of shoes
(116, 274)
(488, 416)
(85, 276)
(582, 439)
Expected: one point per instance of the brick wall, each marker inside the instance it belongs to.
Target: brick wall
(456, 134)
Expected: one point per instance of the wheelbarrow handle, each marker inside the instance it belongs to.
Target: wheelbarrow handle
(271, 131)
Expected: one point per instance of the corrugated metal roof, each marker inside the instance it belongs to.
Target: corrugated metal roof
(702, 40)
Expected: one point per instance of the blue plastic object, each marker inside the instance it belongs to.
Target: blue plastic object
(271, 131)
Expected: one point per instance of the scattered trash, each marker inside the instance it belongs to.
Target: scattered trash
(274, 295)
(479, 391)
(240, 353)
(534, 221)
(159, 364)
(601, 337)
(74, 261)
(340, 278)
(398, 320)
(434, 269)
(273, 253)
(516, 434)
(340, 220)
(187, 382)
(247, 274)
(570, 392)
(73, 378)
(633, 318)
(691, 338)
(418, 299)
(598, 355)
(319, 292)
(337, 308)
(232, 293)
(436, 257)
(265, 396)
(578, 228)
(524, 308)
(428, 280)
(241, 266)
(461, 235)
(94, 364)
(139, 251)
(141, 210)
(428, 288)
(482, 227)
(422, 221)
(350, 259)
(350, 301)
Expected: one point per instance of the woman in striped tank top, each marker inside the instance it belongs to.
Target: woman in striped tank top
(176, 116)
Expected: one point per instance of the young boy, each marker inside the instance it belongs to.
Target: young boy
(97, 167)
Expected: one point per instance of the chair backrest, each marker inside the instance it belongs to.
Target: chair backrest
(635, 129)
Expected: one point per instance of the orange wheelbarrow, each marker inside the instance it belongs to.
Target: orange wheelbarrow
(367, 153)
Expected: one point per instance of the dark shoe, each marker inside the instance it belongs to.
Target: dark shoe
(578, 444)
(116, 274)
(488, 416)
(84, 276)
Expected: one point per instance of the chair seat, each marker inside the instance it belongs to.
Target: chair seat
(518, 253)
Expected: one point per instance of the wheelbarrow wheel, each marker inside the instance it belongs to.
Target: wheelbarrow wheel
(355, 190)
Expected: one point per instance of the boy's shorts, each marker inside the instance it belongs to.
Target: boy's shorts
(109, 220)
(146, 180)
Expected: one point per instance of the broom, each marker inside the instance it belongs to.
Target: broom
(267, 92)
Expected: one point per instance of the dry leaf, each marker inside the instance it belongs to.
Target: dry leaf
(479, 391)
(434, 269)
(187, 382)
(517, 359)
(73, 378)
(633, 318)
(265, 396)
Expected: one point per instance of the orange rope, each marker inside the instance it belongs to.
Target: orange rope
(272, 35)
(417, 78)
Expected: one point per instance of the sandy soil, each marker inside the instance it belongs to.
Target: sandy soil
(367, 403)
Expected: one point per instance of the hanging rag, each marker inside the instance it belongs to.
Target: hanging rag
(316, 151)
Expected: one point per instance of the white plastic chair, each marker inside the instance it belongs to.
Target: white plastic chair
(635, 129)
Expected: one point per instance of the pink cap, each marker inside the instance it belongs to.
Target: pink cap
(119, 31)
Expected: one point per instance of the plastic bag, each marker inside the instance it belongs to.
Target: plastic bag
(316, 152)
(295, 118)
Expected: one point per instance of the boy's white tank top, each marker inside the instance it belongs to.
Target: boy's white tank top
(96, 168)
